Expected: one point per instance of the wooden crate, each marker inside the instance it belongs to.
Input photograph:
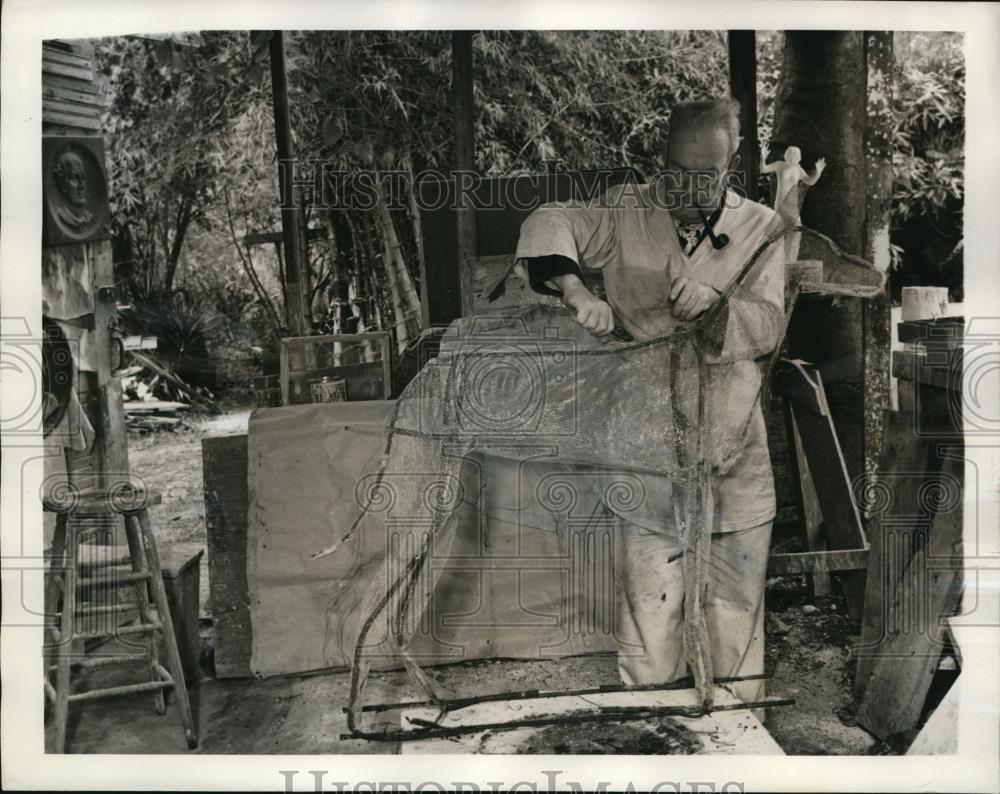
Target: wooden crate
(363, 360)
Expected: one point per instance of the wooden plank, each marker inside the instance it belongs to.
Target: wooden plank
(806, 500)
(907, 462)
(60, 106)
(224, 467)
(75, 72)
(929, 592)
(138, 406)
(71, 121)
(139, 342)
(817, 562)
(74, 93)
(59, 54)
(945, 330)
(804, 387)
(163, 373)
(55, 82)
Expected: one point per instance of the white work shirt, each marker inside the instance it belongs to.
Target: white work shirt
(635, 245)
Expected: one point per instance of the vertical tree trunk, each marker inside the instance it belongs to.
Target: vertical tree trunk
(418, 228)
(743, 86)
(405, 303)
(820, 107)
(834, 101)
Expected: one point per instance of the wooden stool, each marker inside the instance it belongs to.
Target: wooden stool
(75, 571)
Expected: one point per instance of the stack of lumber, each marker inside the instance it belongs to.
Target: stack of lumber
(152, 415)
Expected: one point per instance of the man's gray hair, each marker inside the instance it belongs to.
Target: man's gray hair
(719, 112)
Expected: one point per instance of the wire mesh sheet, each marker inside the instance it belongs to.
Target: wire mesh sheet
(531, 383)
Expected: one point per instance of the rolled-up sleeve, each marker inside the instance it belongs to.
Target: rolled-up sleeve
(584, 233)
(544, 268)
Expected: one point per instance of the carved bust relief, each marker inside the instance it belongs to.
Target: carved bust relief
(75, 194)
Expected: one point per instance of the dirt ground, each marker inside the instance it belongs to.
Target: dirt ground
(808, 654)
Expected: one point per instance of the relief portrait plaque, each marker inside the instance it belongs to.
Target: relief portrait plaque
(75, 195)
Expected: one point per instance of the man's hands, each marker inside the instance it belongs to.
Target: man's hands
(691, 298)
(591, 312)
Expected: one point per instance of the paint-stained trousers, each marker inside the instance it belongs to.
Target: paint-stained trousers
(650, 606)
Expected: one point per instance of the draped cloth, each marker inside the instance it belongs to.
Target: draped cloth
(675, 403)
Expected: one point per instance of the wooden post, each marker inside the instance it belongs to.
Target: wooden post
(296, 283)
(743, 86)
(72, 107)
(465, 142)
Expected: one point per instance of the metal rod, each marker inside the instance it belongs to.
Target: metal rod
(453, 704)
(604, 715)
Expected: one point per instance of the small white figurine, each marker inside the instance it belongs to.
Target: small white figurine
(787, 197)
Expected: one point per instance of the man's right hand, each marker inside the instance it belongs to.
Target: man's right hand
(591, 312)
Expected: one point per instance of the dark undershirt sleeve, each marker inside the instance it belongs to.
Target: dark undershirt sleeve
(543, 268)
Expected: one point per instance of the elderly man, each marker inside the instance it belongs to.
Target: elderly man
(666, 252)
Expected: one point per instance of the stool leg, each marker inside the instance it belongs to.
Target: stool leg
(64, 648)
(139, 565)
(163, 608)
(52, 581)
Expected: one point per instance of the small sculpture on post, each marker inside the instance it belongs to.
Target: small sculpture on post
(787, 196)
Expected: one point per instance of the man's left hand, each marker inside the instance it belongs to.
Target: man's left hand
(691, 298)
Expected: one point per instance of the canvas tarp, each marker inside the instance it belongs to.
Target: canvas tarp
(529, 574)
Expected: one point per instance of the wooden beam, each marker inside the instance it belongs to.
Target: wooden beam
(895, 515)
(224, 467)
(743, 86)
(296, 284)
(112, 438)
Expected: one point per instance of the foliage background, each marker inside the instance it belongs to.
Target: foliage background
(190, 151)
